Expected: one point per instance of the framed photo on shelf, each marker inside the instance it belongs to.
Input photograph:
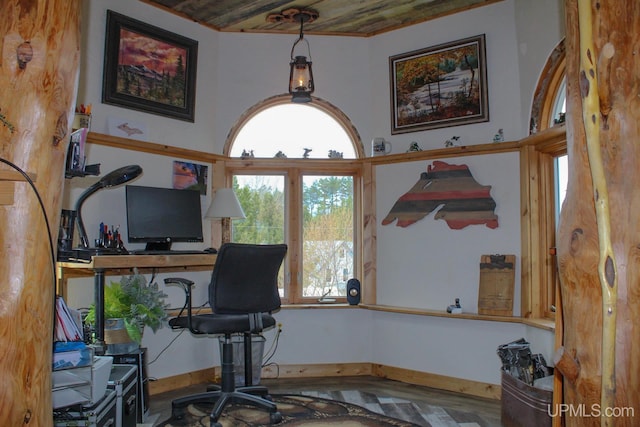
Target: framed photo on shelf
(149, 69)
(439, 86)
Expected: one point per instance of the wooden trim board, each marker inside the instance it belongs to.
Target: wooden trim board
(442, 382)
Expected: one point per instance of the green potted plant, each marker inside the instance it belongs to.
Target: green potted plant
(134, 301)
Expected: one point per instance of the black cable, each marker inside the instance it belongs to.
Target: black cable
(276, 366)
(167, 346)
(177, 336)
(46, 220)
(274, 346)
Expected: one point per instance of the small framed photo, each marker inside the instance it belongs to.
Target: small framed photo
(149, 69)
(439, 86)
(190, 176)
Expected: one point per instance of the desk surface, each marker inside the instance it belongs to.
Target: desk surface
(109, 262)
(121, 265)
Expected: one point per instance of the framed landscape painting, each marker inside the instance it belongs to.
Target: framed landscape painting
(149, 69)
(440, 86)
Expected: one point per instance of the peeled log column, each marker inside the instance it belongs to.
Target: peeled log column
(599, 233)
(38, 74)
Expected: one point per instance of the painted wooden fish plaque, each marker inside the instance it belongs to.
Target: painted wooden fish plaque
(459, 198)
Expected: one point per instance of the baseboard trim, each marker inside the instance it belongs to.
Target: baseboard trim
(175, 382)
(317, 370)
(441, 382)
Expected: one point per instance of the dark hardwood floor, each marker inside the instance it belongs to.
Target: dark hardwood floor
(468, 411)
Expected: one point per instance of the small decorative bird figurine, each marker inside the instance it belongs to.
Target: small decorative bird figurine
(451, 142)
(247, 154)
(414, 147)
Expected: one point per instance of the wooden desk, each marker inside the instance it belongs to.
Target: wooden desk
(122, 265)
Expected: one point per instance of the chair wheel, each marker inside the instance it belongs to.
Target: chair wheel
(216, 425)
(275, 417)
(178, 413)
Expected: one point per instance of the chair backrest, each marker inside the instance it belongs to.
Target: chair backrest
(245, 278)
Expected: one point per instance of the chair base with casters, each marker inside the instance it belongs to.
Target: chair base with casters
(248, 387)
(242, 300)
(227, 393)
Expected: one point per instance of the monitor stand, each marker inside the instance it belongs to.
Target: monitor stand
(158, 246)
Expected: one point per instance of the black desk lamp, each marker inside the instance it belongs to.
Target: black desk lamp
(116, 177)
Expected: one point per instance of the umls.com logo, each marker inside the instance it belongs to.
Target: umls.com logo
(589, 411)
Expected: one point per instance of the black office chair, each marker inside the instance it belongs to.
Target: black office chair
(242, 294)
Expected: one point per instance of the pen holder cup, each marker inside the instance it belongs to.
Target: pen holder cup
(80, 121)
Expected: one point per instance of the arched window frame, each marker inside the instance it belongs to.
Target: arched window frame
(538, 198)
(318, 103)
(294, 170)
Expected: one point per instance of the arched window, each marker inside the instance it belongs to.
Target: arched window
(547, 171)
(290, 166)
(276, 124)
(295, 131)
(549, 98)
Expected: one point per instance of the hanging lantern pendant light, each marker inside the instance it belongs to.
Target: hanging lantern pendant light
(301, 84)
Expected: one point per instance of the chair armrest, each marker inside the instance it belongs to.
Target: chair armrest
(178, 281)
(180, 322)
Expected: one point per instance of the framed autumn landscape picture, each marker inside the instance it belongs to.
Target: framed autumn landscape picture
(149, 69)
(440, 86)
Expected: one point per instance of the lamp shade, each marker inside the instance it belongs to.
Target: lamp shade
(225, 204)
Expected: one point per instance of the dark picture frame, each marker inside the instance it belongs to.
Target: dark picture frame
(149, 69)
(439, 86)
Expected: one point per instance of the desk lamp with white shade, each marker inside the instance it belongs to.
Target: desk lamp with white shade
(225, 206)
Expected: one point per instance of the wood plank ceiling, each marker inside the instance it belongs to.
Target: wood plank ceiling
(357, 18)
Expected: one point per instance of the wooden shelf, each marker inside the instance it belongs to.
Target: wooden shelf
(538, 323)
(151, 147)
(7, 185)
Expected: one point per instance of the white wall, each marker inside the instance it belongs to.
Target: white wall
(496, 21)
(198, 135)
(534, 45)
(236, 71)
(253, 68)
(428, 264)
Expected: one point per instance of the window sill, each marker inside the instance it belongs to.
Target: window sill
(545, 324)
(318, 305)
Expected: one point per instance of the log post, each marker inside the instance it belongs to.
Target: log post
(599, 232)
(39, 67)
(590, 67)
(566, 365)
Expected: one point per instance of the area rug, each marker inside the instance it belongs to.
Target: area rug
(296, 411)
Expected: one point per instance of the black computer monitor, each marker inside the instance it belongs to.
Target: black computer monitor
(161, 216)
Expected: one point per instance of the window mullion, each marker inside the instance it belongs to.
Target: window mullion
(294, 234)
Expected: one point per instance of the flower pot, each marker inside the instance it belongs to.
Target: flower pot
(117, 338)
